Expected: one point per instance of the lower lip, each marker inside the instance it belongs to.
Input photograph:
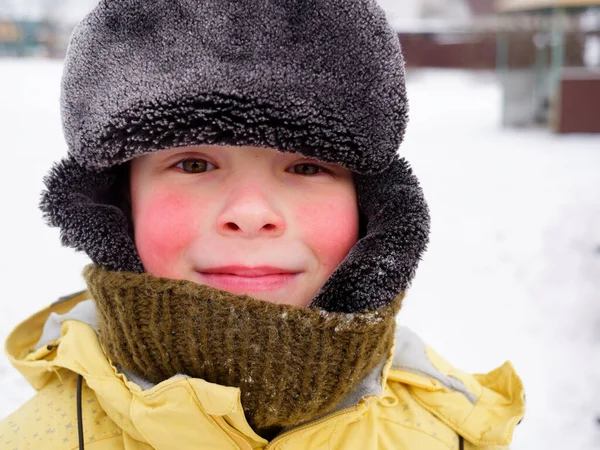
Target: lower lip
(239, 284)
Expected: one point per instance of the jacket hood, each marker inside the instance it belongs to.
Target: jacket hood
(484, 409)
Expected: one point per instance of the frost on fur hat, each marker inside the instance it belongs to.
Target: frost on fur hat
(324, 78)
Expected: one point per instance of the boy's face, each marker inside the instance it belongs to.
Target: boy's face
(245, 220)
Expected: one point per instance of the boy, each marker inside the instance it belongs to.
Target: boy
(232, 174)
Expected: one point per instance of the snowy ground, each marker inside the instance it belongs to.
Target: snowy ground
(513, 269)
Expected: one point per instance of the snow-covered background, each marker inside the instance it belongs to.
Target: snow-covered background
(512, 272)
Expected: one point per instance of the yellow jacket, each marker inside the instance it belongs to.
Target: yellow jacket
(419, 402)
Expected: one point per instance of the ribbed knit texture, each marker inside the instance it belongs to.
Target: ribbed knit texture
(291, 364)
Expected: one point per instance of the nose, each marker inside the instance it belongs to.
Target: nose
(250, 214)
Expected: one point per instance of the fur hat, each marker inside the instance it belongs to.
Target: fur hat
(324, 78)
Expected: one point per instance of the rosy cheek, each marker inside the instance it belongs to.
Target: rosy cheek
(165, 226)
(330, 229)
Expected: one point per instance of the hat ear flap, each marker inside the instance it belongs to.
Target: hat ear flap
(383, 262)
(88, 208)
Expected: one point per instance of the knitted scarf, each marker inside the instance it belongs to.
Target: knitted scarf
(291, 364)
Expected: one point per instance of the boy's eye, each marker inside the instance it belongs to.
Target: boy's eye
(194, 165)
(307, 169)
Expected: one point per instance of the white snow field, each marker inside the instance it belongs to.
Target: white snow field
(512, 271)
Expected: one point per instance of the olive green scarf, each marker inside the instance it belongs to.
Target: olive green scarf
(291, 364)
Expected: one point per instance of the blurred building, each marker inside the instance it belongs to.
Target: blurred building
(442, 33)
(417, 16)
(39, 27)
(547, 52)
(549, 62)
(21, 37)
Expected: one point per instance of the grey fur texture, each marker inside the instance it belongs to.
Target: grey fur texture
(81, 203)
(324, 78)
(384, 261)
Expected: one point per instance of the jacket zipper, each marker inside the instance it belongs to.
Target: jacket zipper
(242, 442)
(276, 441)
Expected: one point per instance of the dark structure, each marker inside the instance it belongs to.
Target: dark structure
(544, 76)
(454, 45)
(26, 37)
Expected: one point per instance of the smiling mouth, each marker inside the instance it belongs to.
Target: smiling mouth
(243, 279)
